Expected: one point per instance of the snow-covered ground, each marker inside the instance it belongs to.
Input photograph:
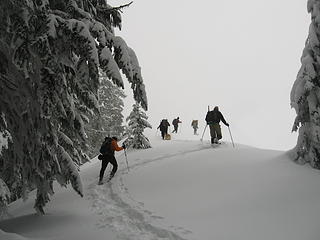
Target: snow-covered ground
(181, 189)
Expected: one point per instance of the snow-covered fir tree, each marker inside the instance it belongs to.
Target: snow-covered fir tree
(305, 94)
(5, 137)
(109, 122)
(111, 107)
(4, 198)
(137, 122)
(50, 53)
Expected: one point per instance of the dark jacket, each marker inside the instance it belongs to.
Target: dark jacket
(164, 124)
(176, 121)
(215, 116)
(109, 146)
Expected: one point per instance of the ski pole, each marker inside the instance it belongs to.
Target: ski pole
(205, 127)
(231, 136)
(125, 154)
(204, 132)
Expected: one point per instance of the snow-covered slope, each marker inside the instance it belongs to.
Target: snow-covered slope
(182, 189)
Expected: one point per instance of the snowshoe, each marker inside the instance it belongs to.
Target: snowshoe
(110, 177)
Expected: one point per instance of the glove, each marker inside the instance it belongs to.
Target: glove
(123, 146)
(100, 157)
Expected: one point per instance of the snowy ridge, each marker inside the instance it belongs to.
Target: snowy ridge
(238, 193)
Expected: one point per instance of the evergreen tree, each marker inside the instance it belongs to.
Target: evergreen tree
(4, 198)
(50, 52)
(305, 94)
(110, 120)
(111, 107)
(137, 122)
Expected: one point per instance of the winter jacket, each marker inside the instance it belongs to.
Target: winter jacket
(108, 147)
(176, 121)
(164, 125)
(194, 123)
(215, 116)
(115, 146)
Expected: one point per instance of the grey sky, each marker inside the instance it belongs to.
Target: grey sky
(240, 55)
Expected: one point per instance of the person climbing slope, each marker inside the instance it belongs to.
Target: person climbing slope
(175, 124)
(107, 149)
(164, 124)
(213, 119)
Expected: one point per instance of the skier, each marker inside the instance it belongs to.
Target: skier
(213, 119)
(107, 150)
(194, 124)
(164, 124)
(175, 123)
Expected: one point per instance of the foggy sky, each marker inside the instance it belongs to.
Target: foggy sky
(240, 55)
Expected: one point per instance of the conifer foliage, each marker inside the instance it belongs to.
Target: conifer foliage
(305, 94)
(50, 53)
(111, 107)
(110, 120)
(137, 122)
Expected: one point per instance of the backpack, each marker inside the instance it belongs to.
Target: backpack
(106, 147)
(213, 117)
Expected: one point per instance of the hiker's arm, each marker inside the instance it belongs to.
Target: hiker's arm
(223, 120)
(116, 147)
(207, 117)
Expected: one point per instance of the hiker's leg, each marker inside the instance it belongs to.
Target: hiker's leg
(104, 164)
(114, 163)
(218, 130)
(162, 134)
(212, 132)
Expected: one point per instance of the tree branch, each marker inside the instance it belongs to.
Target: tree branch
(106, 9)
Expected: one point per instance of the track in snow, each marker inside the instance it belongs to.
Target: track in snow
(112, 202)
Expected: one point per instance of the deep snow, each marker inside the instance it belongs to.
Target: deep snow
(181, 189)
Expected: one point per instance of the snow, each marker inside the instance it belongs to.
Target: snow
(181, 189)
(52, 25)
(5, 135)
(313, 39)
(103, 35)
(125, 59)
(10, 236)
(109, 65)
(82, 30)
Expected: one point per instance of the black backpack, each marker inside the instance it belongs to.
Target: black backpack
(106, 147)
(213, 117)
